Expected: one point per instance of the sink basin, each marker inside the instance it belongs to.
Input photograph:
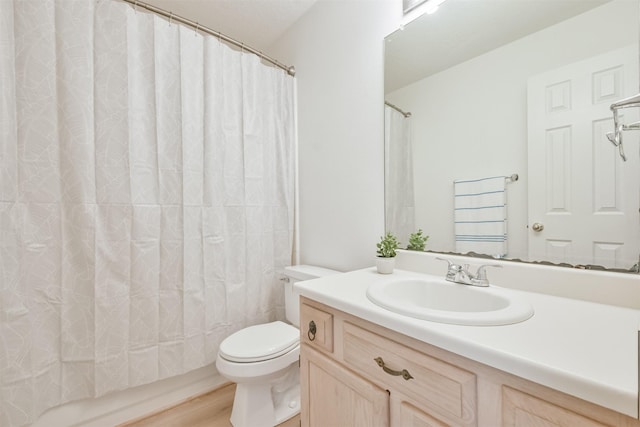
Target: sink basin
(445, 302)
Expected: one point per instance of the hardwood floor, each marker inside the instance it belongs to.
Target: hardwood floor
(208, 410)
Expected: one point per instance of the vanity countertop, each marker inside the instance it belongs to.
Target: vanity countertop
(581, 348)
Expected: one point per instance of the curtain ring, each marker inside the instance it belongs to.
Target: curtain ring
(170, 17)
(135, 6)
(195, 33)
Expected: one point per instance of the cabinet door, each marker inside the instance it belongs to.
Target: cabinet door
(522, 410)
(334, 396)
(406, 415)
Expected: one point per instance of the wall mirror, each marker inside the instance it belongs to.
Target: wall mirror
(506, 89)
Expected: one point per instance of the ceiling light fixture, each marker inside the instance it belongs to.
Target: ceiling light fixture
(431, 6)
(414, 9)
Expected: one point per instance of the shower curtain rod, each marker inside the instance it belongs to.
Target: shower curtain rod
(405, 114)
(289, 69)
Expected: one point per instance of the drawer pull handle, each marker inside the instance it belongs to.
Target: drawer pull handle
(312, 331)
(404, 373)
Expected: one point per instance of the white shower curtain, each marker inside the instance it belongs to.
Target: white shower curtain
(146, 199)
(399, 198)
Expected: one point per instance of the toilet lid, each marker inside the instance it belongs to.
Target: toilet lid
(260, 342)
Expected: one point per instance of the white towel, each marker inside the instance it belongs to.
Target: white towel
(480, 216)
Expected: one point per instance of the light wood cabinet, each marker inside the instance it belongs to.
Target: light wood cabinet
(356, 373)
(352, 376)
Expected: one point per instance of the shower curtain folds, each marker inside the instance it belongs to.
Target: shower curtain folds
(146, 199)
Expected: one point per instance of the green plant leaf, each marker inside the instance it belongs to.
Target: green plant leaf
(387, 246)
(417, 241)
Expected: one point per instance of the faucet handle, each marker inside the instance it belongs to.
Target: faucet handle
(452, 266)
(444, 259)
(481, 274)
(452, 270)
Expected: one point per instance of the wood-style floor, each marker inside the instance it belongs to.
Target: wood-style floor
(208, 410)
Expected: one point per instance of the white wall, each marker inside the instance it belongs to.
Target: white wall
(337, 49)
(477, 108)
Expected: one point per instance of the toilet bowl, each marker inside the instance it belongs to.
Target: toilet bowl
(263, 361)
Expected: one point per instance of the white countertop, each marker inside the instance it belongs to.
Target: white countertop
(581, 348)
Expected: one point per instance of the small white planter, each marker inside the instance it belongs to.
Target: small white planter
(385, 265)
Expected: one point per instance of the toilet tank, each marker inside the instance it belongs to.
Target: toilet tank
(298, 273)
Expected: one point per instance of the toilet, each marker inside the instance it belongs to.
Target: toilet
(263, 361)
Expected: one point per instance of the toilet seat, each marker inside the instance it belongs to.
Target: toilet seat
(260, 342)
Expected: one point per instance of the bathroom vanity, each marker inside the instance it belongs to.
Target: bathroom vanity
(574, 363)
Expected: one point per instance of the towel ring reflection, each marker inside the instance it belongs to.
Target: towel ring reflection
(615, 137)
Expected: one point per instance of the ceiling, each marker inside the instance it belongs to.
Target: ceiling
(463, 29)
(256, 23)
(260, 23)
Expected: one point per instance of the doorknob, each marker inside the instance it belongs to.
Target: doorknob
(537, 227)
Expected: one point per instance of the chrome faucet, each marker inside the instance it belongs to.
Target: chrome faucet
(460, 273)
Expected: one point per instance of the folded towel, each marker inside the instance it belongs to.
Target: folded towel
(480, 216)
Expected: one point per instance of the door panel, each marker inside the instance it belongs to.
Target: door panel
(579, 188)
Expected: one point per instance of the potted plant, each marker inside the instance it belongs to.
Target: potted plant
(387, 253)
(417, 241)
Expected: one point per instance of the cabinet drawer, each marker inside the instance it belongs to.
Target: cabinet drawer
(316, 327)
(446, 391)
(523, 410)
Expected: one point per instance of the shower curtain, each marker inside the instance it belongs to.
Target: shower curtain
(399, 199)
(146, 199)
